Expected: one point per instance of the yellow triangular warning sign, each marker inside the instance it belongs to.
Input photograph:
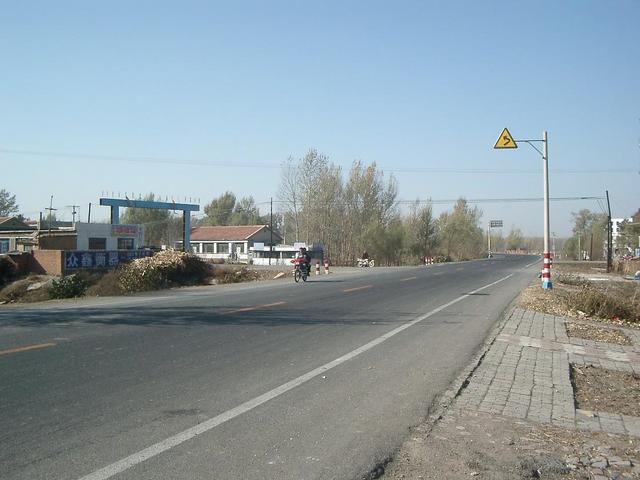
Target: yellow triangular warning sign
(505, 140)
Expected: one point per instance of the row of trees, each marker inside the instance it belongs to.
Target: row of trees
(361, 213)
(589, 236)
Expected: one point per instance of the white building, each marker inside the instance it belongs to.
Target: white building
(104, 236)
(230, 242)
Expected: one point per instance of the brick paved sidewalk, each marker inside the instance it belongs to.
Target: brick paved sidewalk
(525, 374)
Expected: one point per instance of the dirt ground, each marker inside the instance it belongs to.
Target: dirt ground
(101, 284)
(484, 446)
(603, 390)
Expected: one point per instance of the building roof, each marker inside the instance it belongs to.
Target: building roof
(13, 223)
(228, 233)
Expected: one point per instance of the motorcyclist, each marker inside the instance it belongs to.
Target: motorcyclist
(306, 257)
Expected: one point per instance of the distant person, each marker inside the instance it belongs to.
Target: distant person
(303, 254)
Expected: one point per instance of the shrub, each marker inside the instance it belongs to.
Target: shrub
(70, 286)
(164, 269)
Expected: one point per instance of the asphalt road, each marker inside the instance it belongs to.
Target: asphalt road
(274, 380)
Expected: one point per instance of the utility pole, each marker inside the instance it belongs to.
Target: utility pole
(271, 230)
(74, 212)
(489, 238)
(51, 209)
(579, 248)
(609, 236)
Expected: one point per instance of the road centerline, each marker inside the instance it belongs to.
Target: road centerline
(134, 459)
(355, 289)
(408, 279)
(252, 308)
(26, 348)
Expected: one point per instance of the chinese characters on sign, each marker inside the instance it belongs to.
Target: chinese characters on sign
(101, 259)
(124, 230)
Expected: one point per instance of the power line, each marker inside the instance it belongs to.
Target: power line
(469, 200)
(202, 163)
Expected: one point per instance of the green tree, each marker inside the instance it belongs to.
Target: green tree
(245, 212)
(220, 210)
(421, 231)
(155, 221)
(461, 238)
(8, 205)
(589, 229)
(514, 240)
(386, 242)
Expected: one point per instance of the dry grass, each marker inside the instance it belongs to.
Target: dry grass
(18, 291)
(597, 333)
(574, 295)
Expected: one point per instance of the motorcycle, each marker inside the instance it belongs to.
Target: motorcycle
(365, 262)
(301, 270)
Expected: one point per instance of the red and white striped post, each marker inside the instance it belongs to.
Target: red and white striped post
(326, 266)
(546, 270)
(317, 267)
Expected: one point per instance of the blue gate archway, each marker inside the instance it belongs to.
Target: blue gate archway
(116, 203)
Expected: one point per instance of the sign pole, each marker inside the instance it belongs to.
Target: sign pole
(489, 238)
(546, 265)
(505, 140)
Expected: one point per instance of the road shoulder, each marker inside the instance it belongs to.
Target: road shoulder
(516, 415)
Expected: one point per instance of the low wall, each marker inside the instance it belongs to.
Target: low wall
(50, 262)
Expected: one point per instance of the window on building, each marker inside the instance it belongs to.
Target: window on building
(240, 247)
(125, 244)
(223, 248)
(4, 245)
(97, 243)
(208, 247)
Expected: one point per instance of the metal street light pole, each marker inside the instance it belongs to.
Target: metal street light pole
(505, 140)
(546, 265)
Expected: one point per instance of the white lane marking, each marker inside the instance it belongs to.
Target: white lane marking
(531, 264)
(179, 438)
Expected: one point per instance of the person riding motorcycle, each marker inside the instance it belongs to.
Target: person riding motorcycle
(306, 257)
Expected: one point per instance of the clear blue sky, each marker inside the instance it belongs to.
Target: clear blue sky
(410, 85)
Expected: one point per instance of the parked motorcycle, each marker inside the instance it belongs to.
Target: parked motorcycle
(301, 270)
(365, 262)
